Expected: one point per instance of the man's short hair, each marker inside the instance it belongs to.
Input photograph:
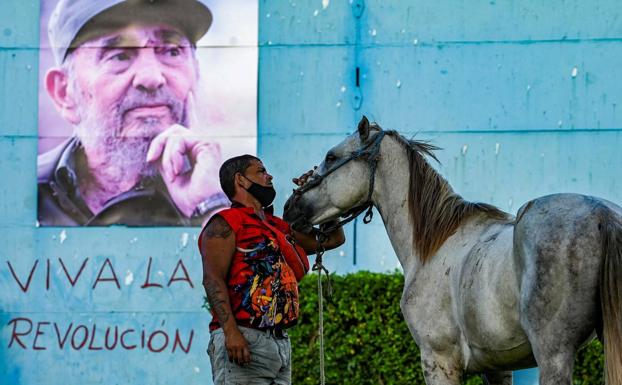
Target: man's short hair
(231, 167)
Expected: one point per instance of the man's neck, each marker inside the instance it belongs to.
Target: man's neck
(248, 200)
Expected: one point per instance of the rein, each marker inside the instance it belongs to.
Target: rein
(319, 267)
(370, 152)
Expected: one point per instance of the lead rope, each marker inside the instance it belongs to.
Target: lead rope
(321, 326)
(319, 267)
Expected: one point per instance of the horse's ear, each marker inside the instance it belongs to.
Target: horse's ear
(364, 128)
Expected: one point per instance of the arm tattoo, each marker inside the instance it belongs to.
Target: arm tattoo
(215, 289)
(217, 301)
(217, 228)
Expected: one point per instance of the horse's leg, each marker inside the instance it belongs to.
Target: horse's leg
(553, 342)
(556, 324)
(557, 368)
(497, 378)
(439, 369)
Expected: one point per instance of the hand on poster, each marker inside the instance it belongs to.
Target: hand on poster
(188, 163)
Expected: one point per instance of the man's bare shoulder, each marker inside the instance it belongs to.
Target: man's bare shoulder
(217, 227)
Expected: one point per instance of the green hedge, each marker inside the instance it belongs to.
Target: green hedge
(366, 338)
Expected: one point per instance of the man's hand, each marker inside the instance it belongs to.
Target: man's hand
(301, 180)
(237, 347)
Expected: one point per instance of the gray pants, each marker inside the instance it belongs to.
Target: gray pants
(270, 359)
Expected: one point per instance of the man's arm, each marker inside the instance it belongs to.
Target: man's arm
(217, 250)
(309, 242)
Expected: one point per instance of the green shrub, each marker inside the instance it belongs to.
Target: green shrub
(589, 365)
(367, 341)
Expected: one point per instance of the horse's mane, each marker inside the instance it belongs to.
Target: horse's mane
(436, 210)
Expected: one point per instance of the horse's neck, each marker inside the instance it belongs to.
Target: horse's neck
(391, 199)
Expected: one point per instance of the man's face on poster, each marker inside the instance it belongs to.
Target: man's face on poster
(122, 89)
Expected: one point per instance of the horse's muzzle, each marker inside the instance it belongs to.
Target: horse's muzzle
(294, 214)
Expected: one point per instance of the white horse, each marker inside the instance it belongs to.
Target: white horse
(484, 292)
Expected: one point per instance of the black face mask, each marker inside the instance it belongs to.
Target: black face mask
(264, 194)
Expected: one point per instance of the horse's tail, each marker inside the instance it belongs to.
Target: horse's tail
(611, 298)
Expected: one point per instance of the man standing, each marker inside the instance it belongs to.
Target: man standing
(251, 263)
(125, 79)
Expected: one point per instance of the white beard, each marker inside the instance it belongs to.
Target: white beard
(125, 155)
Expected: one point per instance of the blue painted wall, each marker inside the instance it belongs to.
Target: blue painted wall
(522, 96)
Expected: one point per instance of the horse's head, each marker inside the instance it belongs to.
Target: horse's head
(343, 182)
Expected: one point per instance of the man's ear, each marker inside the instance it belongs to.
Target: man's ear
(240, 180)
(57, 86)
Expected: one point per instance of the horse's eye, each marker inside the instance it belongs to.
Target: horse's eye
(330, 158)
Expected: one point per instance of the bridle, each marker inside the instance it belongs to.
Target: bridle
(369, 152)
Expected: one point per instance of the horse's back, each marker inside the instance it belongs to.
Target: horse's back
(554, 230)
(568, 206)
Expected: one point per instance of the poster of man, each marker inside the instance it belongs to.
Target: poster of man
(139, 104)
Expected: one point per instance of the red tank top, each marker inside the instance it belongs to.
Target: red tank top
(263, 289)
